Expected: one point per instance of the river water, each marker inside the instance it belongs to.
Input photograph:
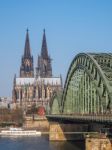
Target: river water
(37, 143)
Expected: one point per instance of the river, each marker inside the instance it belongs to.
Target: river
(37, 143)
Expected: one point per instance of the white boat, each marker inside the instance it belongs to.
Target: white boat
(19, 132)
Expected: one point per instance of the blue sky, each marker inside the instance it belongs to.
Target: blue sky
(72, 26)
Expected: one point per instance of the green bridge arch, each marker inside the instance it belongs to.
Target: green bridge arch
(88, 85)
(55, 103)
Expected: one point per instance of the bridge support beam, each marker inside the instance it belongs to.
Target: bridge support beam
(64, 131)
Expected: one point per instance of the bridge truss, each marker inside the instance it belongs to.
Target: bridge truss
(88, 86)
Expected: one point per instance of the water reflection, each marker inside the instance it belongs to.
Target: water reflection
(37, 143)
(67, 145)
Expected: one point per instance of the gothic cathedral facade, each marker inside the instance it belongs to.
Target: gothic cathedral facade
(35, 88)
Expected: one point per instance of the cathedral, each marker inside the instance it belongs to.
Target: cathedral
(35, 87)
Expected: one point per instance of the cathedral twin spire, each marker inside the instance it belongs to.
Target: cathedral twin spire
(27, 69)
(27, 50)
(44, 51)
(44, 68)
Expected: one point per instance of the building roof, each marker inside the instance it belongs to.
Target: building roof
(51, 81)
(23, 81)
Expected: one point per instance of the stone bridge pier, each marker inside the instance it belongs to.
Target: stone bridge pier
(66, 131)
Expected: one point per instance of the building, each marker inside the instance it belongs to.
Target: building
(44, 68)
(5, 102)
(27, 69)
(31, 88)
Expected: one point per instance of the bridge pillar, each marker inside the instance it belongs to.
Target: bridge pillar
(56, 132)
(98, 143)
(64, 131)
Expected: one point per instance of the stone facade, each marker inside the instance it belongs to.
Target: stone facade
(35, 89)
(41, 124)
(98, 143)
(27, 69)
(44, 68)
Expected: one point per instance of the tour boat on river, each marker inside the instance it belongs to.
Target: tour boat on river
(19, 132)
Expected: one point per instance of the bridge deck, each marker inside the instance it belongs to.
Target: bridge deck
(82, 118)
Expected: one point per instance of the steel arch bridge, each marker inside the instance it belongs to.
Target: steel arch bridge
(55, 103)
(88, 86)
